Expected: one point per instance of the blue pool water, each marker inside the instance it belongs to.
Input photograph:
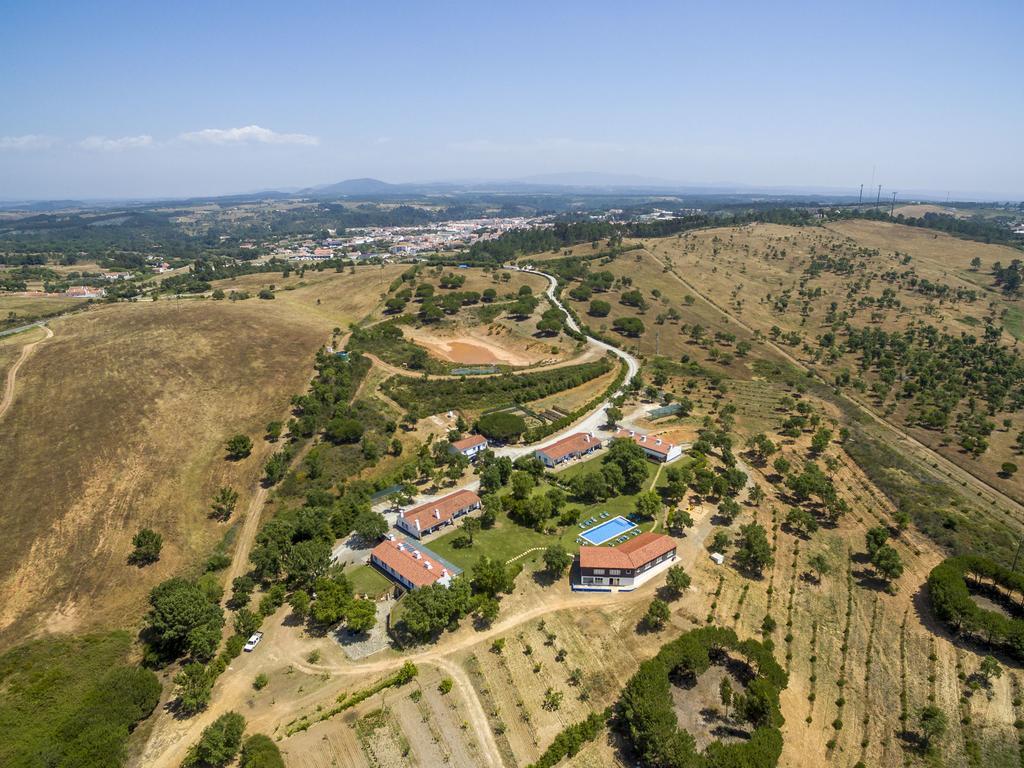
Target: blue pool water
(607, 530)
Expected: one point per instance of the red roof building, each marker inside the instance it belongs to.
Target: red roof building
(623, 565)
(569, 447)
(468, 446)
(408, 565)
(654, 447)
(428, 517)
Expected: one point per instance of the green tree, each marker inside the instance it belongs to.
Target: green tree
(370, 525)
(239, 446)
(729, 509)
(361, 615)
(629, 326)
(802, 521)
(989, 669)
(754, 553)
(599, 308)
(657, 615)
(887, 563)
(224, 502)
(219, 743)
(522, 485)
(194, 687)
(182, 618)
(725, 694)
(343, 430)
(875, 538)
(148, 544)
(614, 415)
(274, 430)
(933, 723)
(556, 560)
(260, 751)
(677, 580)
(492, 577)
(299, 601)
(819, 563)
(648, 505)
(678, 520)
(332, 601)
(630, 460)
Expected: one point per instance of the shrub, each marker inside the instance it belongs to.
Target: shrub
(148, 544)
(259, 751)
(218, 744)
(239, 446)
(501, 426)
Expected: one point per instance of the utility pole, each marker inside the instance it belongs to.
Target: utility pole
(878, 199)
(893, 206)
(860, 197)
(1020, 541)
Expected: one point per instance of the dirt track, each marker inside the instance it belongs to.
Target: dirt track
(12, 374)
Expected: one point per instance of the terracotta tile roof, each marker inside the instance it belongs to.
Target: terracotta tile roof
(402, 558)
(574, 443)
(653, 444)
(440, 510)
(631, 554)
(468, 442)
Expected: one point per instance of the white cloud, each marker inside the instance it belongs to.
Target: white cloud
(112, 145)
(27, 142)
(249, 134)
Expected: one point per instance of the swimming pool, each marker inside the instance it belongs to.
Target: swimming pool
(607, 530)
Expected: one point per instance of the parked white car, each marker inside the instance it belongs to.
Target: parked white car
(253, 641)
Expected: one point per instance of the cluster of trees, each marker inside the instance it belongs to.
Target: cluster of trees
(623, 471)
(425, 397)
(939, 373)
(328, 398)
(646, 715)
(428, 611)
(950, 598)
(221, 742)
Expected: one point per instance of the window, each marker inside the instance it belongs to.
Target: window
(599, 571)
(613, 572)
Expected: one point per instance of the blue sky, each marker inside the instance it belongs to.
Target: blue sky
(108, 99)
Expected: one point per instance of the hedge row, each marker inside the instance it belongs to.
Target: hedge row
(572, 738)
(401, 677)
(951, 601)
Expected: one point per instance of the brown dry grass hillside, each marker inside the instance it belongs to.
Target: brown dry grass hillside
(119, 422)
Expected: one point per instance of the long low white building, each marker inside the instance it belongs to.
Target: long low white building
(655, 448)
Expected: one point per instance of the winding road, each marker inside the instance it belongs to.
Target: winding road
(12, 374)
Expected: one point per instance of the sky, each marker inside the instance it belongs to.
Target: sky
(159, 99)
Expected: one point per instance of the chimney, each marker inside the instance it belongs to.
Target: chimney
(437, 513)
(417, 523)
(389, 536)
(586, 438)
(427, 565)
(416, 554)
(444, 572)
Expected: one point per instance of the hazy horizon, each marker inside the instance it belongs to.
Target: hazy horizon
(124, 101)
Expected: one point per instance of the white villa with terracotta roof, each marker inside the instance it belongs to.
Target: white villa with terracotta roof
(655, 448)
(408, 565)
(468, 446)
(624, 567)
(428, 517)
(569, 447)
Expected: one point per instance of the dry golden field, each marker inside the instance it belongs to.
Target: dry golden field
(119, 423)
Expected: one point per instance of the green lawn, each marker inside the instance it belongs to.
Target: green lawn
(367, 580)
(507, 539)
